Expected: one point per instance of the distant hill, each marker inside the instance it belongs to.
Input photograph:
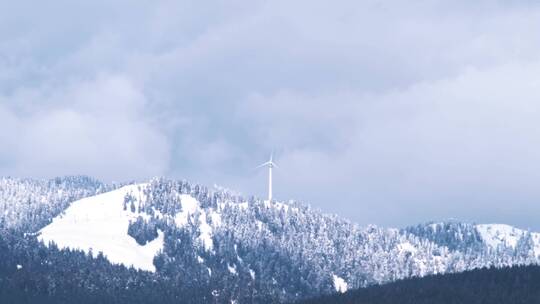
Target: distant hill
(509, 285)
(76, 237)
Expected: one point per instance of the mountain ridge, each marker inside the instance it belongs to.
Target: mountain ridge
(246, 248)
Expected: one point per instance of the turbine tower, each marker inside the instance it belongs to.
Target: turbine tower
(270, 165)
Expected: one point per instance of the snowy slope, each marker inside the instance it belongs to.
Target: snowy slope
(500, 234)
(497, 234)
(100, 224)
(192, 208)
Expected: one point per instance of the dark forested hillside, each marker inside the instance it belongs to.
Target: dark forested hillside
(510, 285)
(30, 273)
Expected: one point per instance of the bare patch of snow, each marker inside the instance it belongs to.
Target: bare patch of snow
(497, 234)
(407, 247)
(205, 232)
(191, 208)
(339, 284)
(232, 269)
(100, 224)
(501, 234)
(216, 219)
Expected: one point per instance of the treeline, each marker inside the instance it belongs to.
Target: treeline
(512, 285)
(28, 205)
(31, 273)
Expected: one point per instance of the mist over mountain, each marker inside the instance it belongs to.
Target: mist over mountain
(212, 244)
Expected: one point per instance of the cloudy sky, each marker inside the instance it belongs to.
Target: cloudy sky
(384, 112)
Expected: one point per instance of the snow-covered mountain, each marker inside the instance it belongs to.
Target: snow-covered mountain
(246, 249)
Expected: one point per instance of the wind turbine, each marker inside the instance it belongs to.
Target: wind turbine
(270, 165)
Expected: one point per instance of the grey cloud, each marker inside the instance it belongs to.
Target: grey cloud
(462, 147)
(96, 127)
(387, 112)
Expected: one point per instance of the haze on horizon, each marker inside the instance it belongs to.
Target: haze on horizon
(385, 112)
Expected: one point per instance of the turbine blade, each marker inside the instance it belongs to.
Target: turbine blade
(262, 165)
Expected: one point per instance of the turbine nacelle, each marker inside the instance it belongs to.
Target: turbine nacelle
(270, 164)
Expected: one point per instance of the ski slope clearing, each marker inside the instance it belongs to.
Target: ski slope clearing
(100, 224)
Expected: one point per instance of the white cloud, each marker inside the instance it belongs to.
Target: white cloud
(98, 127)
(394, 105)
